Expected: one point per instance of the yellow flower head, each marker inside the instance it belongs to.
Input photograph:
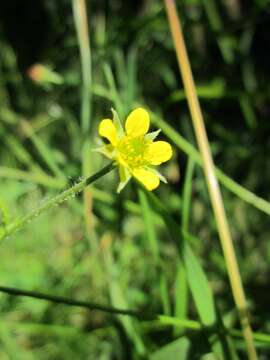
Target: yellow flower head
(133, 149)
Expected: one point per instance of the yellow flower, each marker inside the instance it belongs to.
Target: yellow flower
(133, 149)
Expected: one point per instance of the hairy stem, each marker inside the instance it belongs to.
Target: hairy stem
(65, 195)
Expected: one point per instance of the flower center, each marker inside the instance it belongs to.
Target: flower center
(132, 150)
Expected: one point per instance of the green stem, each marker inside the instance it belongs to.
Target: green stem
(67, 301)
(231, 185)
(80, 18)
(151, 318)
(81, 23)
(65, 195)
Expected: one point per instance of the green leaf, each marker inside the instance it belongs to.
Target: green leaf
(177, 349)
(199, 287)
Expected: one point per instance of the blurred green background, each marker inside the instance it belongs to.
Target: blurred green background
(133, 63)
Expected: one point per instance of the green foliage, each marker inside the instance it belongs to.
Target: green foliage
(156, 253)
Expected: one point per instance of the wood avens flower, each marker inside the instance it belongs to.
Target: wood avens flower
(133, 149)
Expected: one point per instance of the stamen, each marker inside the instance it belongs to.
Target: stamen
(132, 150)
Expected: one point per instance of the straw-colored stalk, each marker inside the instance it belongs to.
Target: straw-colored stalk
(212, 183)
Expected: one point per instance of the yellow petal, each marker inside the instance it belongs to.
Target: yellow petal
(158, 152)
(137, 122)
(146, 177)
(107, 129)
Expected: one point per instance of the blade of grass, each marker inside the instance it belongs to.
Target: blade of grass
(213, 186)
(180, 295)
(215, 89)
(39, 178)
(187, 193)
(154, 247)
(181, 288)
(202, 296)
(81, 24)
(177, 349)
(20, 153)
(118, 299)
(227, 344)
(44, 150)
(149, 226)
(131, 85)
(231, 185)
(113, 91)
(204, 300)
(248, 111)
(196, 277)
(120, 69)
(217, 26)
